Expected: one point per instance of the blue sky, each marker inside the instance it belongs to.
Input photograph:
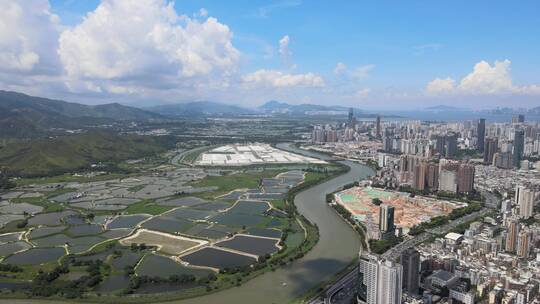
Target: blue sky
(391, 54)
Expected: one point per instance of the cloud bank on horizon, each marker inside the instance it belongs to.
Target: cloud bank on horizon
(147, 51)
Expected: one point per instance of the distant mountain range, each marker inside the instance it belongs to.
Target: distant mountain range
(206, 108)
(24, 116)
(302, 109)
(199, 108)
(440, 108)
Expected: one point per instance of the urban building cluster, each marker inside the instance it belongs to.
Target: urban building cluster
(495, 258)
(494, 261)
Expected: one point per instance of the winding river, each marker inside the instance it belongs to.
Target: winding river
(337, 247)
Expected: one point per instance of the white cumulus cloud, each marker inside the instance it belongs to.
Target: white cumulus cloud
(203, 12)
(485, 79)
(362, 72)
(284, 46)
(488, 79)
(440, 85)
(145, 43)
(28, 37)
(278, 79)
(340, 68)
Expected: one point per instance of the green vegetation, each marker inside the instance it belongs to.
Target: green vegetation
(5, 183)
(530, 221)
(50, 157)
(10, 268)
(376, 201)
(462, 197)
(279, 204)
(233, 181)
(373, 164)
(146, 206)
(47, 205)
(191, 156)
(73, 279)
(66, 178)
(345, 214)
(444, 219)
(382, 245)
(467, 154)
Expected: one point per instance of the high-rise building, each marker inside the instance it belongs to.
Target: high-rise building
(368, 270)
(525, 200)
(465, 178)
(439, 144)
(450, 148)
(419, 182)
(378, 126)
(386, 218)
(524, 241)
(519, 144)
(481, 133)
(410, 260)
(388, 141)
(432, 176)
(351, 115)
(448, 181)
(520, 118)
(379, 281)
(490, 148)
(503, 160)
(511, 236)
(389, 285)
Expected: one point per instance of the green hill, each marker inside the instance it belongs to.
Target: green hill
(65, 154)
(24, 116)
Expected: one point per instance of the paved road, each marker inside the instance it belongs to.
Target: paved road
(395, 252)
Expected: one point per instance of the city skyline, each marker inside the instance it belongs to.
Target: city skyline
(382, 56)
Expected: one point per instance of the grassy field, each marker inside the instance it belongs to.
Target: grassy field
(146, 206)
(191, 156)
(47, 205)
(64, 178)
(231, 182)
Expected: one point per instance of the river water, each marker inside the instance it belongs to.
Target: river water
(337, 247)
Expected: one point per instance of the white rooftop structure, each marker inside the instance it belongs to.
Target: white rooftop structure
(249, 154)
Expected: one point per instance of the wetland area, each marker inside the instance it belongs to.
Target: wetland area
(179, 232)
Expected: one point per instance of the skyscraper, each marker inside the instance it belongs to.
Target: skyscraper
(378, 126)
(386, 218)
(368, 269)
(439, 144)
(525, 200)
(410, 260)
(511, 236)
(432, 176)
(420, 176)
(519, 144)
(465, 178)
(351, 115)
(481, 133)
(490, 148)
(450, 145)
(447, 180)
(389, 283)
(379, 281)
(524, 241)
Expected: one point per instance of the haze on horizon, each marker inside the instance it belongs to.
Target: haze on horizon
(379, 55)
